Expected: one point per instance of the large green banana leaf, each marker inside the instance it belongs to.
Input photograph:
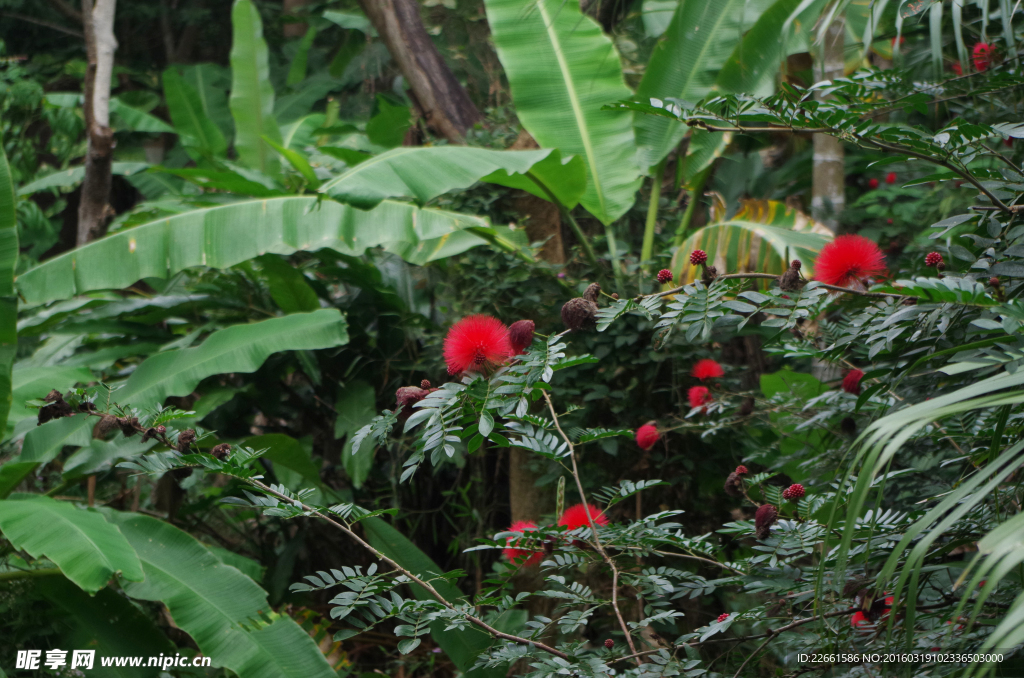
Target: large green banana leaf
(764, 236)
(86, 548)
(223, 610)
(199, 135)
(462, 646)
(425, 172)
(8, 300)
(240, 348)
(108, 623)
(226, 235)
(252, 96)
(34, 382)
(562, 69)
(731, 46)
(684, 65)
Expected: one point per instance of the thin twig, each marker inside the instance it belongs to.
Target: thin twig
(772, 276)
(430, 589)
(593, 528)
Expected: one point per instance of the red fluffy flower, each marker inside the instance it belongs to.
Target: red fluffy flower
(851, 382)
(872, 183)
(476, 341)
(699, 395)
(576, 516)
(890, 178)
(706, 369)
(646, 436)
(512, 552)
(981, 55)
(848, 259)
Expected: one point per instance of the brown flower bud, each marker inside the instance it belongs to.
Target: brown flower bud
(406, 397)
(129, 426)
(592, 292)
(221, 451)
(734, 485)
(764, 519)
(747, 407)
(520, 335)
(185, 439)
(790, 281)
(86, 406)
(425, 384)
(579, 314)
(57, 409)
(149, 433)
(710, 273)
(615, 296)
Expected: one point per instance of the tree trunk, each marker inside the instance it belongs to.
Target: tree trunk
(294, 29)
(94, 208)
(445, 105)
(827, 193)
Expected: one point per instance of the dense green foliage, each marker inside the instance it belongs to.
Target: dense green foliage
(201, 448)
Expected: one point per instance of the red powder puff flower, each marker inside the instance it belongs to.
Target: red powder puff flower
(859, 619)
(722, 617)
(890, 178)
(706, 369)
(512, 552)
(872, 183)
(851, 382)
(576, 516)
(848, 259)
(981, 55)
(793, 492)
(520, 335)
(699, 395)
(476, 341)
(646, 436)
(932, 259)
(957, 68)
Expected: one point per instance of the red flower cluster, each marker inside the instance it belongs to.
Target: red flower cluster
(664, 276)
(722, 617)
(932, 259)
(848, 259)
(890, 178)
(741, 470)
(699, 396)
(575, 517)
(793, 492)
(872, 183)
(512, 550)
(981, 55)
(851, 382)
(698, 257)
(476, 341)
(706, 369)
(646, 436)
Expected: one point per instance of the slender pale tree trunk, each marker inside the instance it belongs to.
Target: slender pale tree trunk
(827, 193)
(444, 103)
(94, 209)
